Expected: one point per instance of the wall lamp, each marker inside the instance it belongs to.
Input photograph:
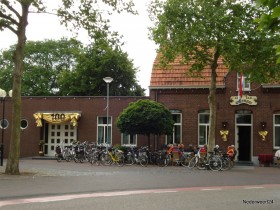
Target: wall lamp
(263, 125)
(224, 124)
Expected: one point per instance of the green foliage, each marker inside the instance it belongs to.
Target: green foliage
(270, 17)
(270, 20)
(145, 117)
(83, 14)
(66, 67)
(198, 30)
(100, 60)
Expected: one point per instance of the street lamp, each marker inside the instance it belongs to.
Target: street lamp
(3, 124)
(108, 80)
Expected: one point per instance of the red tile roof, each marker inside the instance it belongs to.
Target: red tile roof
(176, 76)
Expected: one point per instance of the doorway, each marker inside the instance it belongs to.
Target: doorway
(243, 137)
(244, 143)
(59, 135)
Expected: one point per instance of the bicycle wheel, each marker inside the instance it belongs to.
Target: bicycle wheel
(120, 159)
(215, 163)
(82, 158)
(105, 159)
(76, 158)
(128, 160)
(143, 160)
(161, 161)
(58, 157)
(225, 164)
(67, 155)
(94, 157)
(193, 162)
(201, 164)
(185, 160)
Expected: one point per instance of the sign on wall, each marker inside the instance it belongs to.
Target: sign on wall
(245, 99)
(57, 118)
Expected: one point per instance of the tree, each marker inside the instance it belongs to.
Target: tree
(67, 67)
(44, 63)
(145, 117)
(270, 17)
(269, 21)
(204, 31)
(14, 17)
(99, 60)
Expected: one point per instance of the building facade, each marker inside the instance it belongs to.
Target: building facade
(61, 120)
(251, 122)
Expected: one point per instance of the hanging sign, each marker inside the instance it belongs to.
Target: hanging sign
(245, 99)
(57, 118)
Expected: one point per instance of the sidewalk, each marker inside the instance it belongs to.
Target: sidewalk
(50, 167)
(49, 177)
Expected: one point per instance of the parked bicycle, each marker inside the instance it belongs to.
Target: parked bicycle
(136, 155)
(203, 161)
(112, 156)
(64, 153)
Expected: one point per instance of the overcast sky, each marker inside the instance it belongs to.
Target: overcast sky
(133, 28)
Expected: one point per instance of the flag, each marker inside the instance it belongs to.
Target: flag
(240, 86)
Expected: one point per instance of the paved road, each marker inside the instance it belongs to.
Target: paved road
(43, 178)
(229, 198)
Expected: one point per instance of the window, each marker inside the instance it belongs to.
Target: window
(176, 136)
(4, 124)
(246, 83)
(129, 140)
(102, 136)
(203, 127)
(276, 131)
(23, 124)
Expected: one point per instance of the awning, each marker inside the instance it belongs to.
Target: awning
(57, 117)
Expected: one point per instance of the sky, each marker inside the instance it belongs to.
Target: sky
(134, 29)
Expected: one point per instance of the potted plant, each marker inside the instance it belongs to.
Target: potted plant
(41, 147)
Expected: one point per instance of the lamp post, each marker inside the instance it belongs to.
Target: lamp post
(3, 126)
(108, 80)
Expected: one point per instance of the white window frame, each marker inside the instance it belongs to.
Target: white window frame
(103, 126)
(247, 84)
(274, 131)
(179, 124)
(123, 135)
(205, 125)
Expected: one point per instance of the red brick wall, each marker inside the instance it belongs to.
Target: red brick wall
(191, 101)
(90, 108)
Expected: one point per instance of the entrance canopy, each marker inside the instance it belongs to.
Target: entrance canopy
(57, 117)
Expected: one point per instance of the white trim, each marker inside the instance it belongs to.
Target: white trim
(236, 134)
(274, 131)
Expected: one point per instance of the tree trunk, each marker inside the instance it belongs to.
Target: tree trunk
(12, 166)
(212, 103)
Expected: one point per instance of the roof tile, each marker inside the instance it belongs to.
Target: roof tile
(176, 75)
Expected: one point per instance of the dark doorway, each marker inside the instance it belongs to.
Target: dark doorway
(244, 143)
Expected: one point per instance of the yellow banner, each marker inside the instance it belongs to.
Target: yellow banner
(250, 100)
(57, 118)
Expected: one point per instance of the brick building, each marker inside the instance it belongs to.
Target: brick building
(55, 122)
(252, 124)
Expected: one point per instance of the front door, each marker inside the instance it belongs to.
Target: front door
(244, 143)
(60, 134)
(243, 137)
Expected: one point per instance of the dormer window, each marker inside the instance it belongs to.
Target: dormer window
(243, 82)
